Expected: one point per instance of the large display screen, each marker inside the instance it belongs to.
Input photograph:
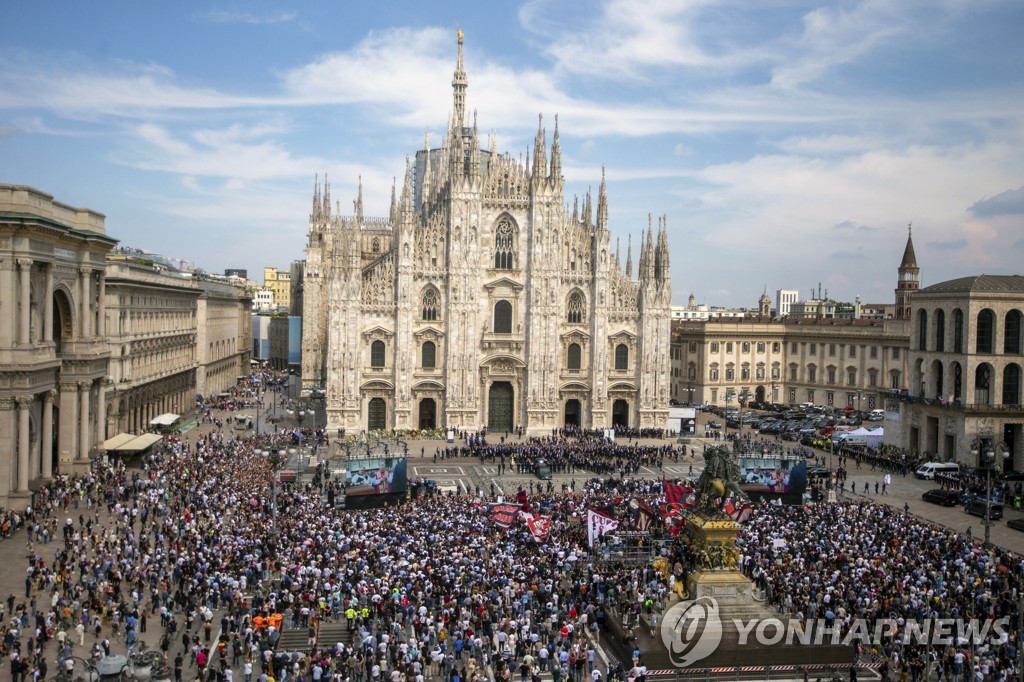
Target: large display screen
(375, 476)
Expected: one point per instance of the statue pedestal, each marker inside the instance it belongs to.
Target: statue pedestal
(717, 575)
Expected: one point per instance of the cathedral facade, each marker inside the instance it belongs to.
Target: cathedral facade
(483, 300)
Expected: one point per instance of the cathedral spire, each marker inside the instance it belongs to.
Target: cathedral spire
(406, 200)
(316, 197)
(587, 211)
(540, 153)
(629, 257)
(602, 204)
(327, 198)
(663, 259)
(393, 215)
(459, 84)
(647, 254)
(556, 157)
(618, 261)
(474, 152)
(358, 203)
(575, 208)
(425, 187)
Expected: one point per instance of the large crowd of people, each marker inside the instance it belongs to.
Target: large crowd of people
(193, 554)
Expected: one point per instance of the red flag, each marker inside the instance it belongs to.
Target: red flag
(539, 526)
(675, 493)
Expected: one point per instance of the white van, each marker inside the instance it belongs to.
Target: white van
(876, 416)
(929, 469)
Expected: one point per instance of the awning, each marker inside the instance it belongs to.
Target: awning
(117, 441)
(164, 420)
(140, 443)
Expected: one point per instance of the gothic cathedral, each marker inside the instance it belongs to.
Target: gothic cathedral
(483, 300)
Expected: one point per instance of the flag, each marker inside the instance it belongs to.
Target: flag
(502, 513)
(675, 493)
(598, 524)
(641, 516)
(521, 499)
(539, 526)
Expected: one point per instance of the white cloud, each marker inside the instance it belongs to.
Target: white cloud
(229, 17)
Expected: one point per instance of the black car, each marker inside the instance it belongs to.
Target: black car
(977, 508)
(714, 424)
(947, 498)
(817, 472)
(1016, 524)
(543, 470)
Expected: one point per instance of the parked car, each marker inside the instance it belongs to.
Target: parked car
(977, 508)
(1016, 524)
(713, 424)
(817, 472)
(947, 498)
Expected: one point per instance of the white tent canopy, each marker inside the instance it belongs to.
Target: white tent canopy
(117, 441)
(167, 419)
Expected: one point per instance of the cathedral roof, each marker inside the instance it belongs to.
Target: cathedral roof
(988, 284)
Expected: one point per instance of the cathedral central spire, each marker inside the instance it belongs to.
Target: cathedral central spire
(459, 84)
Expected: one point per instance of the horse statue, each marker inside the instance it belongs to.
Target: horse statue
(718, 482)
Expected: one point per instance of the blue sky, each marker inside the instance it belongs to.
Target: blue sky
(788, 142)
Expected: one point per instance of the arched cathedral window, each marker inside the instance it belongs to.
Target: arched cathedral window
(575, 308)
(504, 246)
(430, 305)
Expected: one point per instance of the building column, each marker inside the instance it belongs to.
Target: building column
(84, 273)
(67, 446)
(25, 298)
(24, 402)
(101, 330)
(101, 410)
(46, 452)
(83, 435)
(48, 304)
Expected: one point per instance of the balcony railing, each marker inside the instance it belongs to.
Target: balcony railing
(959, 405)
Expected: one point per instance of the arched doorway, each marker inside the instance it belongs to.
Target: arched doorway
(63, 321)
(377, 415)
(759, 394)
(428, 414)
(500, 407)
(572, 413)
(620, 414)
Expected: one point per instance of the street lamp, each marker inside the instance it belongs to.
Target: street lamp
(274, 459)
(689, 391)
(741, 400)
(729, 394)
(992, 455)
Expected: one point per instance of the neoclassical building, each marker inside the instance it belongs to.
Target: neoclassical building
(828, 361)
(483, 300)
(94, 343)
(171, 335)
(966, 359)
(53, 357)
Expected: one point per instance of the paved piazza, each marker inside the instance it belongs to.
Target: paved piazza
(467, 476)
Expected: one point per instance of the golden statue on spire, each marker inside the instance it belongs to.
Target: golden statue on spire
(459, 29)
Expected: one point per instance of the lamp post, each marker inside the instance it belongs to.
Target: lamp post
(741, 400)
(689, 392)
(274, 459)
(992, 454)
(729, 393)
